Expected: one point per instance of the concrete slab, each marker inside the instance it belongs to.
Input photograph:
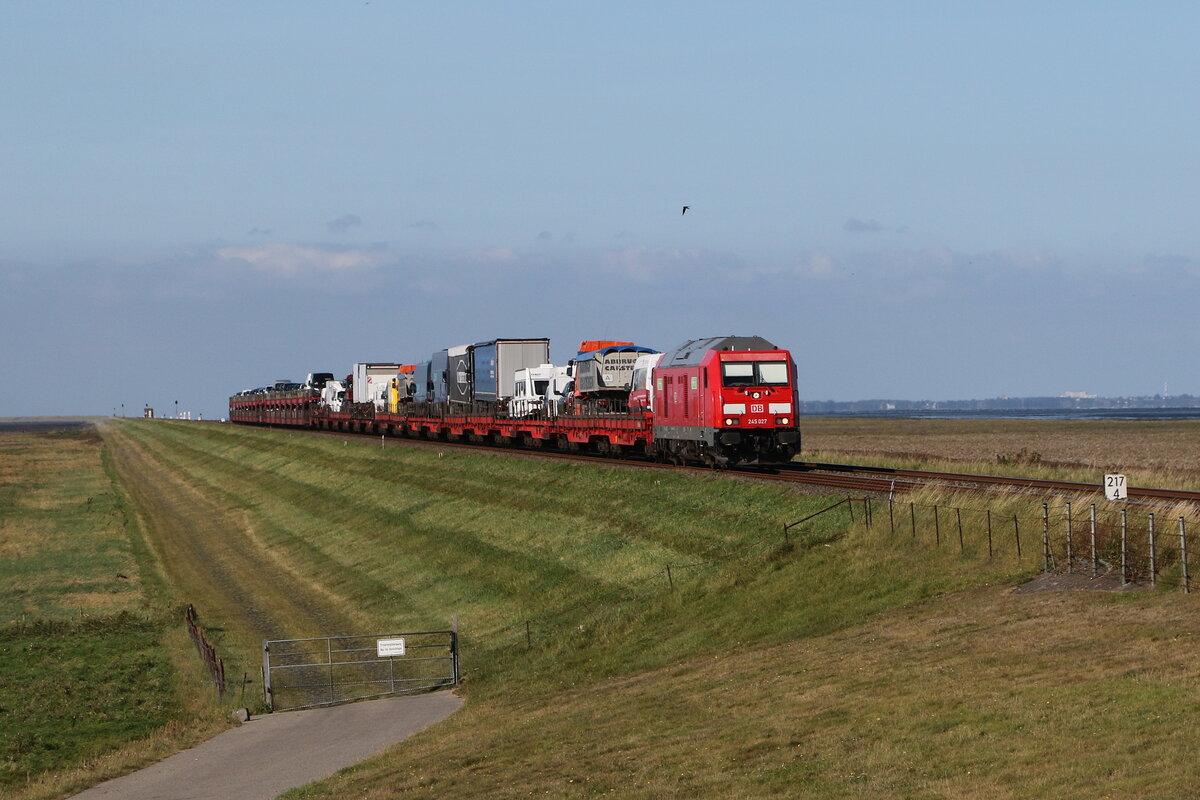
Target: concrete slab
(271, 754)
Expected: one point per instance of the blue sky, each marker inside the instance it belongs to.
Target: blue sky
(920, 200)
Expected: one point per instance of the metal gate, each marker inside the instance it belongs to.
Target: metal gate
(304, 673)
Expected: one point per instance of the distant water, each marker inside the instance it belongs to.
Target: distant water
(1026, 413)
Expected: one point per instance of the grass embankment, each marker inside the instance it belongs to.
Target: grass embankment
(1151, 453)
(845, 666)
(86, 646)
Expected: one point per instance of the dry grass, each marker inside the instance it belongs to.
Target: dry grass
(1152, 453)
(62, 535)
(980, 695)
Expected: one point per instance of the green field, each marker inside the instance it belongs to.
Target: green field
(845, 662)
(85, 668)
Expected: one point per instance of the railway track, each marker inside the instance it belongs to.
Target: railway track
(850, 477)
(892, 479)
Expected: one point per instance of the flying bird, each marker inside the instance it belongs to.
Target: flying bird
(685, 210)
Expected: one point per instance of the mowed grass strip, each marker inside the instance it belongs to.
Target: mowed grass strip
(63, 547)
(86, 678)
(494, 538)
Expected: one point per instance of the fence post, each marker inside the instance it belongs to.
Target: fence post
(867, 511)
(528, 635)
(1017, 533)
(268, 697)
(912, 512)
(958, 518)
(1124, 550)
(329, 658)
(1153, 560)
(1070, 550)
(891, 516)
(670, 580)
(937, 527)
(1095, 562)
(989, 523)
(850, 507)
(1187, 581)
(1045, 537)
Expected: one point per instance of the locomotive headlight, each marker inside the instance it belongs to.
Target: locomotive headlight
(782, 420)
(729, 421)
(756, 395)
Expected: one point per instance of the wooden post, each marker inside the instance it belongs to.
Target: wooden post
(891, 516)
(528, 636)
(1124, 549)
(1095, 561)
(958, 518)
(670, 580)
(989, 524)
(1153, 560)
(1187, 581)
(1070, 551)
(1045, 537)
(937, 528)
(912, 512)
(1017, 533)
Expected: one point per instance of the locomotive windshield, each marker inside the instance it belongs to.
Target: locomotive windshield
(754, 373)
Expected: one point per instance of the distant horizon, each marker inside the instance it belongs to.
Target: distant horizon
(808, 406)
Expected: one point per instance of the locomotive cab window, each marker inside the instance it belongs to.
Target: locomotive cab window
(737, 373)
(751, 373)
(773, 373)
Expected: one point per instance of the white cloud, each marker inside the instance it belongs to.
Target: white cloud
(293, 259)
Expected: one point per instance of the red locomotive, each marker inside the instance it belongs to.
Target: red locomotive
(719, 401)
(726, 400)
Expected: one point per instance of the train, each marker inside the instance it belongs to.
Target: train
(720, 401)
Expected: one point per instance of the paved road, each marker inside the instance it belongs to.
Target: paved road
(269, 755)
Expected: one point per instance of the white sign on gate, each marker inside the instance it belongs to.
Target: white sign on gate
(386, 648)
(1115, 487)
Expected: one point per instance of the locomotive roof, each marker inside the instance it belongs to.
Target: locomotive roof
(690, 353)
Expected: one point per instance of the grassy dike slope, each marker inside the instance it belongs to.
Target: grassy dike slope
(847, 665)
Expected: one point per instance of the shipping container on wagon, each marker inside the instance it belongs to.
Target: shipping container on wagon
(438, 363)
(458, 374)
(495, 363)
(608, 370)
(371, 382)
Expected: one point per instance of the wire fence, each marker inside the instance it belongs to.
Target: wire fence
(1130, 546)
(1134, 545)
(208, 653)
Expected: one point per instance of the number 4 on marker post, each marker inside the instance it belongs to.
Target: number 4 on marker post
(1115, 487)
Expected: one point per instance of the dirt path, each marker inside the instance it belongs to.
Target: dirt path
(213, 559)
(269, 755)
